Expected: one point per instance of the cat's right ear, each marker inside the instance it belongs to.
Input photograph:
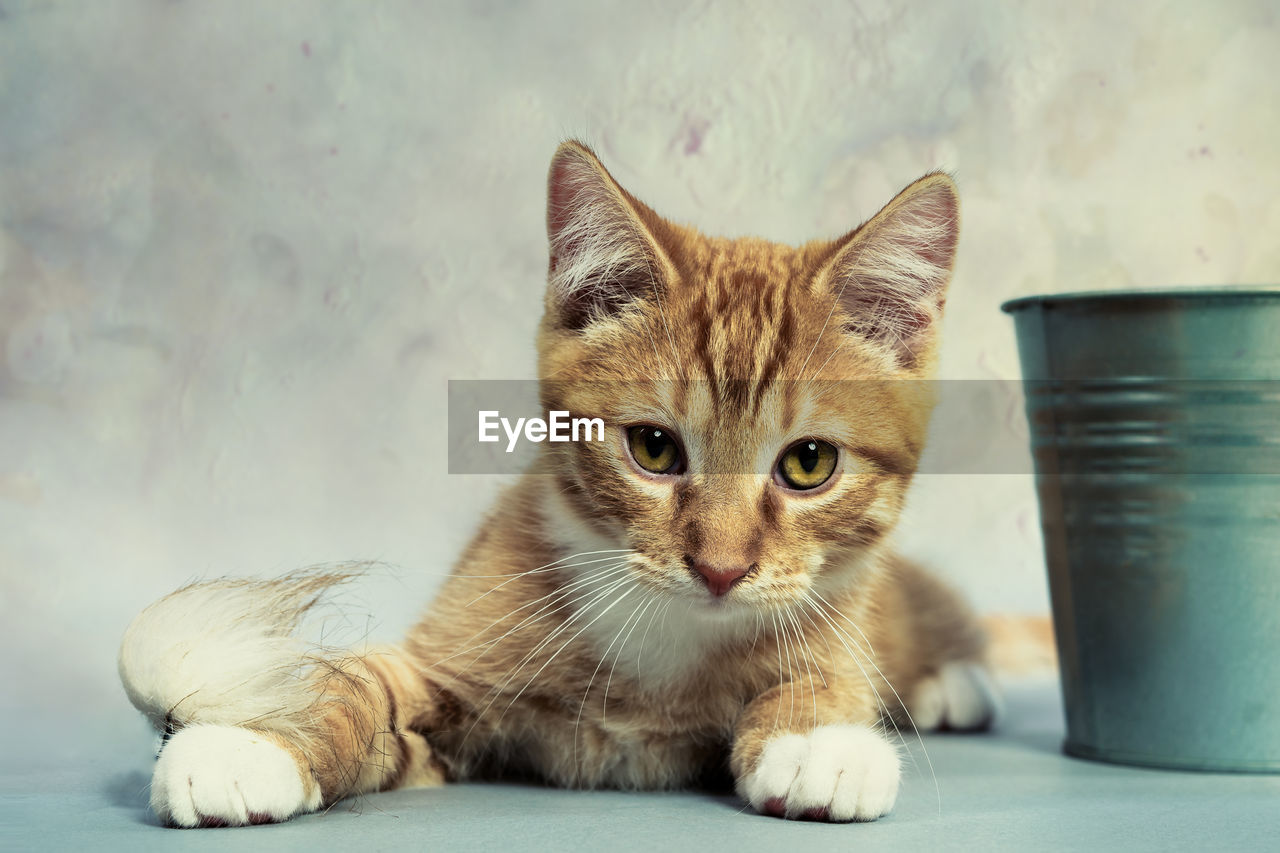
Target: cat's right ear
(603, 256)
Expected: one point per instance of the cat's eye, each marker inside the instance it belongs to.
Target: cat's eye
(807, 464)
(655, 450)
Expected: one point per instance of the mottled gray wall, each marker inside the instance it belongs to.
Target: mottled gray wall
(244, 245)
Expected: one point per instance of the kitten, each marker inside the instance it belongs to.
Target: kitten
(709, 588)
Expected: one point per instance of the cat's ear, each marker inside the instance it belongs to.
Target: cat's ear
(603, 256)
(890, 276)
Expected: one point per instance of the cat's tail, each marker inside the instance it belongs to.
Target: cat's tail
(227, 652)
(260, 724)
(1020, 644)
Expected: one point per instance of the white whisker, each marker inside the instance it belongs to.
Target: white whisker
(496, 691)
(902, 704)
(577, 724)
(567, 643)
(604, 704)
(777, 643)
(562, 563)
(645, 636)
(557, 595)
(805, 653)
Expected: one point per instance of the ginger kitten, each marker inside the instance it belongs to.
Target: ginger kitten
(708, 588)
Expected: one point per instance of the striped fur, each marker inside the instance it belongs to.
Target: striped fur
(575, 641)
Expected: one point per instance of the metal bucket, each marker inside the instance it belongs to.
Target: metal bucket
(1155, 429)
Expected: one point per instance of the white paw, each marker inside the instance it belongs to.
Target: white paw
(835, 773)
(227, 776)
(960, 697)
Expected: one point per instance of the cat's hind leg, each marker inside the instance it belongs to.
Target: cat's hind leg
(936, 658)
(961, 696)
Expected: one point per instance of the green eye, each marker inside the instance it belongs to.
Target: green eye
(807, 464)
(655, 450)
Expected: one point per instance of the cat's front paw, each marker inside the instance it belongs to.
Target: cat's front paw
(228, 776)
(833, 773)
(961, 697)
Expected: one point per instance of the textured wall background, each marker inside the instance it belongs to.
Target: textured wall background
(244, 245)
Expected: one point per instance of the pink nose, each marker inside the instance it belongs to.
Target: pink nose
(719, 580)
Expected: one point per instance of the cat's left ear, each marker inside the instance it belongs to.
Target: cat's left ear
(890, 276)
(604, 257)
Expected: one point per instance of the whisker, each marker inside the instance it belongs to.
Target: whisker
(806, 654)
(887, 682)
(777, 643)
(756, 639)
(881, 706)
(645, 636)
(549, 567)
(567, 643)
(497, 690)
(845, 639)
(830, 654)
(604, 704)
(555, 563)
(586, 693)
(557, 594)
(791, 670)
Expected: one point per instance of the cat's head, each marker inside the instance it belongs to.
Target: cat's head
(763, 402)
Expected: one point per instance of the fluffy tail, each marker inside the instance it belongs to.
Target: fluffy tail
(226, 652)
(264, 724)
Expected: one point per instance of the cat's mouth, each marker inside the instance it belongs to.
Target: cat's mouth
(724, 609)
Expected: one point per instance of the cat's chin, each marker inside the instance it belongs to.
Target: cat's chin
(726, 610)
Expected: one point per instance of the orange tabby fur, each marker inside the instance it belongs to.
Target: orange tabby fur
(574, 642)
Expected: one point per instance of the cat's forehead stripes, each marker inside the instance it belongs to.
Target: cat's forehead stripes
(737, 301)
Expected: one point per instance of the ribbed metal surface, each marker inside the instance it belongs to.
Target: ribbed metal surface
(1138, 425)
(1155, 422)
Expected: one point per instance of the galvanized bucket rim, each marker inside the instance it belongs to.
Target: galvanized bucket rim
(1230, 292)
